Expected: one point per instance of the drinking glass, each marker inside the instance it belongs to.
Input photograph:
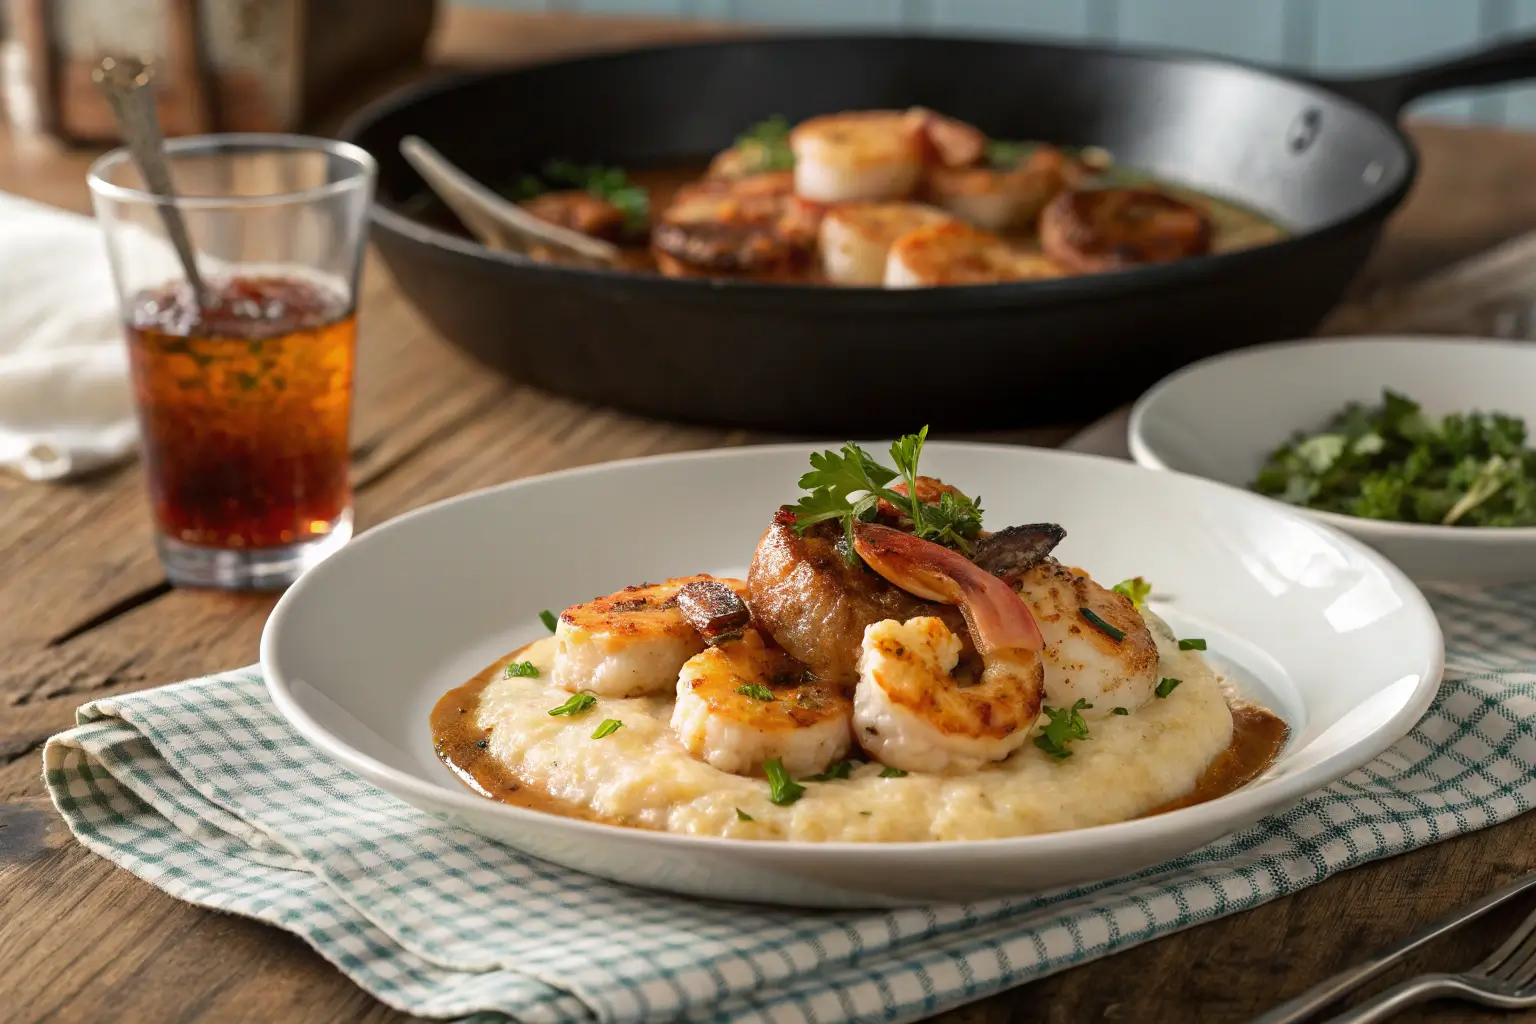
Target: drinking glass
(243, 393)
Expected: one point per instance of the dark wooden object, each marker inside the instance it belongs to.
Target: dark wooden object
(220, 65)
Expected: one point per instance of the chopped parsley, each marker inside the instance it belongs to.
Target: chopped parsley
(1135, 588)
(892, 773)
(847, 485)
(1005, 155)
(608, 728)
(765, 145)
(866, 813)
(548, 618)
(1103, 627)
(576, 704)
(607, 183)
(782, 789)
(1063, 725)
(836, 770)
(521, 670)
(1192, 644)
(742, 815)
(1120, 711)
(1392, 462)
(1167, 686)
(757, 691)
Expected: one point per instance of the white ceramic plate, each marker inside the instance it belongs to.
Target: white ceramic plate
(1221, 418)
(1316, 626)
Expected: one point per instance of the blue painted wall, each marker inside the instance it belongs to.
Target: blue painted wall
(1309, 35)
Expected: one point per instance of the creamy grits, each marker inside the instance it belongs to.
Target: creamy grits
(499, 735)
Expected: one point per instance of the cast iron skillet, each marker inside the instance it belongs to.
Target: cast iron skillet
(1326, 159)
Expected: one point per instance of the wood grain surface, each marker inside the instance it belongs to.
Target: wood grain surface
(85, 612)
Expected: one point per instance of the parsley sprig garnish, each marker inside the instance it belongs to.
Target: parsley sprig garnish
(575, 704)
(836, 770)
(609, 183)
(521, 670)
(1007, 154)
(1135, 588)
(766, 144)
(782, 789)
(847, 485)
(1063, 725)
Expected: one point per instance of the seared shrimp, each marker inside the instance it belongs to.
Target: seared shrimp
(909, 709)
(1082, 661)
(997, 199)
(956, 253)
(948, 142)
(629, 643)
(742, 161)
(856, 238)
(578, 211)
(742, 703)
(869, 154)
(1110, 228)
(754, 226)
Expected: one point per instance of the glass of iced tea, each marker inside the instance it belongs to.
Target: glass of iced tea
(244, 389)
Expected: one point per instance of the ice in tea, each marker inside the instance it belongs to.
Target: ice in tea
(244, 403)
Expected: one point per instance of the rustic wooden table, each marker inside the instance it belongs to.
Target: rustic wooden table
(85, 612)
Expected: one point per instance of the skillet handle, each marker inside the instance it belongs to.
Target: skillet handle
(1387, 95)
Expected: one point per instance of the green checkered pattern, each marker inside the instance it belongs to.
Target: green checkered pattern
(203, 790)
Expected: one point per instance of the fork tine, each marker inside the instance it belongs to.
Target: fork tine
(1520, 970)
(1506, 950)
(1512, 952)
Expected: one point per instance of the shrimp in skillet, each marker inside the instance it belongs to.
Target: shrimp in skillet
(1110, 228)
(877, 154)
(630, 643)
(867, 154)
(1001, 198)
(956, 253)
(856, 238)
(753, 227)
(579, 211)
(948, 142)
(910, 710)
(743, 702)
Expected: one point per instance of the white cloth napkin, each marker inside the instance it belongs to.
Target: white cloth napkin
(65, 405)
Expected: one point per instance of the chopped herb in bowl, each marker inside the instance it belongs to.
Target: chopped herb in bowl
(1392, 462)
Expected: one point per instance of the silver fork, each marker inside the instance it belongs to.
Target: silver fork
(1506, 980)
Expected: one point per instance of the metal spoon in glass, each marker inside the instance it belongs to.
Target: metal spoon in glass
(126, 82)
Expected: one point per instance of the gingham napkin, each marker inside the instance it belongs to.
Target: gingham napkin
(203, 790)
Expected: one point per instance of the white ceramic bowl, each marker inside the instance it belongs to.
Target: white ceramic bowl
(1221, 418)
(1315, 625)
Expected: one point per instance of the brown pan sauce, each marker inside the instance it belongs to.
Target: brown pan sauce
(461, 744)
(1258, 736)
